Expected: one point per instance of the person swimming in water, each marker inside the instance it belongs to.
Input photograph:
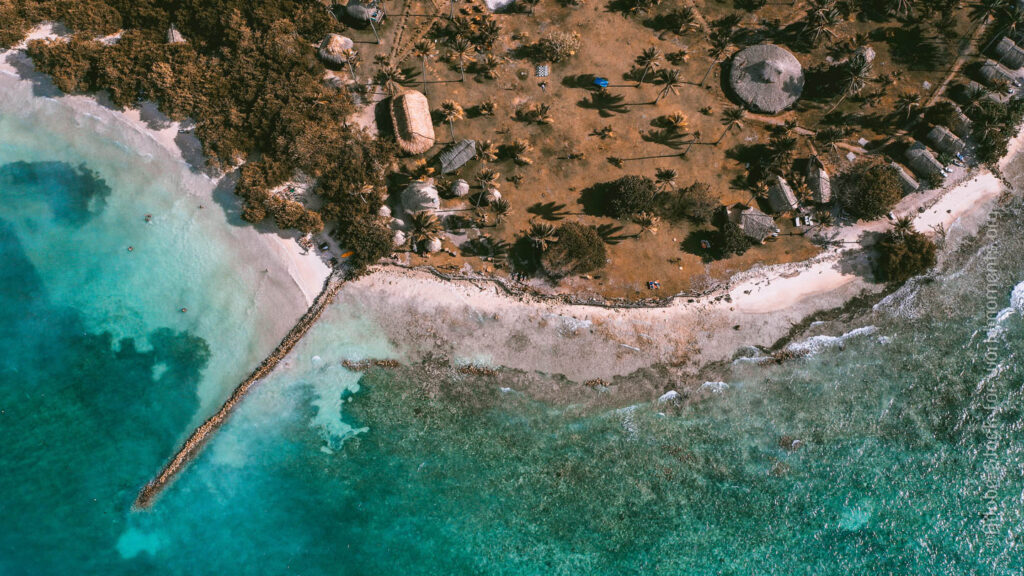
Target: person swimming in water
(149, 218)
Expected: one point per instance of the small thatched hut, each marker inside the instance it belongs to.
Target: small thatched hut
(781, 197)
(460, 188)
(959, 123)
(332, 49)
(755, 224)
(767, 78)
(818, 181)
(363, 12)
(455, 155)
(175, 37)
(909, 184)
(945, 141)
(1009, 54)
(994, 74)
(410, 117)
(419, 196)
(922, 162)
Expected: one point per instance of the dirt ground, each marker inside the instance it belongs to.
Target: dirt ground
(610, 43)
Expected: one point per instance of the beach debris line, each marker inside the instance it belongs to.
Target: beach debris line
(191, 447)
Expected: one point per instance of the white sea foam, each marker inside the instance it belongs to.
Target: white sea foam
(816, 344)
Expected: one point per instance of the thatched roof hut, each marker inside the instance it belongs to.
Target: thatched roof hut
(332, 49)
(1009, 54)
(922, 162)
(419, 196)
(993, 73)
(909, 184)
(755, 224)
(781, 197)
(460, 188)
(959, 123)
(818, 181)
(175, 37)
(767, 78)
(361, 12)
(410, 117)
(945, 141)
(455, 155)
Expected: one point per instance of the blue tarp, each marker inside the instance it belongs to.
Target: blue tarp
(601, 82)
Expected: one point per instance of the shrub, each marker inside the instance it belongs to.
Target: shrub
(696, 202)
(732, 240)
(579, 250)
(870, 191)
(369, 239)
(903, 256)
(557, 46)
(630, 195)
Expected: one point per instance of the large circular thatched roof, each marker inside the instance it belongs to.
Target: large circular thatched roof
(766, 77)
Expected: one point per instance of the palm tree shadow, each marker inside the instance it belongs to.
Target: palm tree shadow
(606, 103)
(550, 211)
(666, 137)
(610, 234)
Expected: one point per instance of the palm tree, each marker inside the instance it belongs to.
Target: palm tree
(424, 227)
(490, 66)
(983, 10)
(450, 112)
(650, 59)
(781, 152)
(900, 8)
(856, 74)
(824, 218)
(676, 122)
(519, 150)
(907, 104)
(502, 209)
(671, 81)
(821, 19)
(487, 178)
(541, 235)
(903, 226)
(831, 136)
(682, 20)
(389, 76)
(665, 178)
(487, 151)
(463, 48)
(424, 49)
(648, 222)
(732, 118)
(721, 42)
(351, 58)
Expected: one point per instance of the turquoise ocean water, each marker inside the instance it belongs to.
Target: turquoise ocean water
(909, 461)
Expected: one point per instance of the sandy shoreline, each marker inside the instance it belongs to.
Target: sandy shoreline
(306, 271)
(476, 322)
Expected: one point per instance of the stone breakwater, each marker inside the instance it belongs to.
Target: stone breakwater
(191, 447)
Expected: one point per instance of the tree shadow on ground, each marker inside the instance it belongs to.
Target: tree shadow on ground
(594, 199)
(692, 244)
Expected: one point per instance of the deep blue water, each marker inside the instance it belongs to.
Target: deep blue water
(421, 471)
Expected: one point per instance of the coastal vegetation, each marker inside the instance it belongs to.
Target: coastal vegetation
(567, 123)
(904, 252)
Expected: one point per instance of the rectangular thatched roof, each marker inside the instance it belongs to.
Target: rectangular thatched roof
(945, 141)
(993, 73)
(960, 124)
(921, 161)
(455, 155)
(1009, 54)
(755, 224)
(410, 117)
(818, 181)
(909, 184)
(781, 197)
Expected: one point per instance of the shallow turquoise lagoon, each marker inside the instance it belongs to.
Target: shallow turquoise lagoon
(417, 472)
